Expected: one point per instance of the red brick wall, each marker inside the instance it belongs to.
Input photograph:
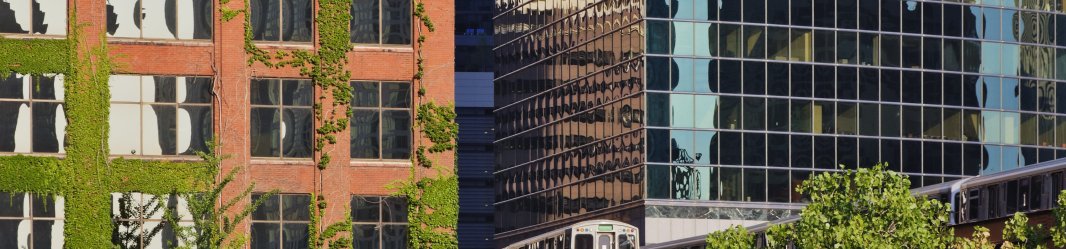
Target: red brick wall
(224, 58)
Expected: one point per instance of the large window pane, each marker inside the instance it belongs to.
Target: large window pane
(365, 21)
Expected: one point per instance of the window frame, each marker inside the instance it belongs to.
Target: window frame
(32, 200)
(29, 100)
(381, 25)
(177, 24)
(380, 110)
(280, 107)
(281, 28)
(281, 221)
(161, 221)
(380, 224)
(141, 104)
(30, 33)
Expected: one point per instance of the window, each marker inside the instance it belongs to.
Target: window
(183, 20)
(141, 223)
(160, 115)
(381, 120)
(32, 108)
(281, 20)
(381, 22)
(30, 221)
(281, 119)
(281, 221)
(379, 222)
(48, 17)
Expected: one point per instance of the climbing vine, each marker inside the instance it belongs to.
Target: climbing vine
(433, 202)
(86, 175)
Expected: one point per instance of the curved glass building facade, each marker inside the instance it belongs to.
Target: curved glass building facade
(686, 116)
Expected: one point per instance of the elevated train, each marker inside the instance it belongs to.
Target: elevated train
(593, 234)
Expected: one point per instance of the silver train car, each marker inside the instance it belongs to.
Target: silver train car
(1028, 189)
(593, 234)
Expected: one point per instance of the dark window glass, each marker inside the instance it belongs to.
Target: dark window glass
(932, 17)
(281, 221)
(953, 19)
(754, 113)
(802, 77)
(932, 154)
(912, 17)
(824, 13)
(890, 15)
(40, 221)
(933, 88)
(868, 84)
(824, 44)
(658, 109)
(730, 10)
(890, 154)
(847, 47)
(801, 12)
(777, 150)
(912, 122)
(911, 52)
(659, 181)
(824, 152)
(868, 120)
(730, 147)
(952, 158)
(869, 15)
(847, 14)
(281, 20)
(823, 82)
(847, 152)
(754, 149)
(802, 151)
(754, 11)
(890, 120)
(730, 73)
(890, 54)
(801, 115)
(847, 83)
(755, 185)
(732, 184)
(379, 222)
(777, 79)
(890, 85)
(381, 120)
(269, 116)
(912, 156)
(396, 22)
(912, 87)
(658, 145)
(776, 11)
(754, 43)
(365, 21)
(868, 49)
(659, 37)
(658, 73)
(777, 114)
(932, 54)
(754, 78)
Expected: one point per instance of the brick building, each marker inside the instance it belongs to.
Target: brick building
(195, 84)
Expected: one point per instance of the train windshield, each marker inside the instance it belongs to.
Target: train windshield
(583, 241)
(625, 241)
(605, 241)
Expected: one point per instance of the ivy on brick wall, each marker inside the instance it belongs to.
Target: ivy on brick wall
(85, 175)
(433, 201)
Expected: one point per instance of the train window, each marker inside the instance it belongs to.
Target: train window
(604, 241)
(626, 241)
(1036, 192)
(1012, 197)
(973, 201)
(1024, 195)
(993, 204)
(583, 241)
(1056, 187)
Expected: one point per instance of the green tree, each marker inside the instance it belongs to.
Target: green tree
(1058, 232)
(1018, 233)
(979, 240)
(736, 237)
(865, 208)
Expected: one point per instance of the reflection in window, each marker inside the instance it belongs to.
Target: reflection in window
(160, 115)
(281, 120)
(140, 221)
(281, 221)
(281, 20)
(48, 17)
(34, 119)
(31, 221)
(379, 222)
(381, 120)
(381, 22)
(183, 20)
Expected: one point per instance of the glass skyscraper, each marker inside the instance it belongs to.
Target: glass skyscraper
(688, 116)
